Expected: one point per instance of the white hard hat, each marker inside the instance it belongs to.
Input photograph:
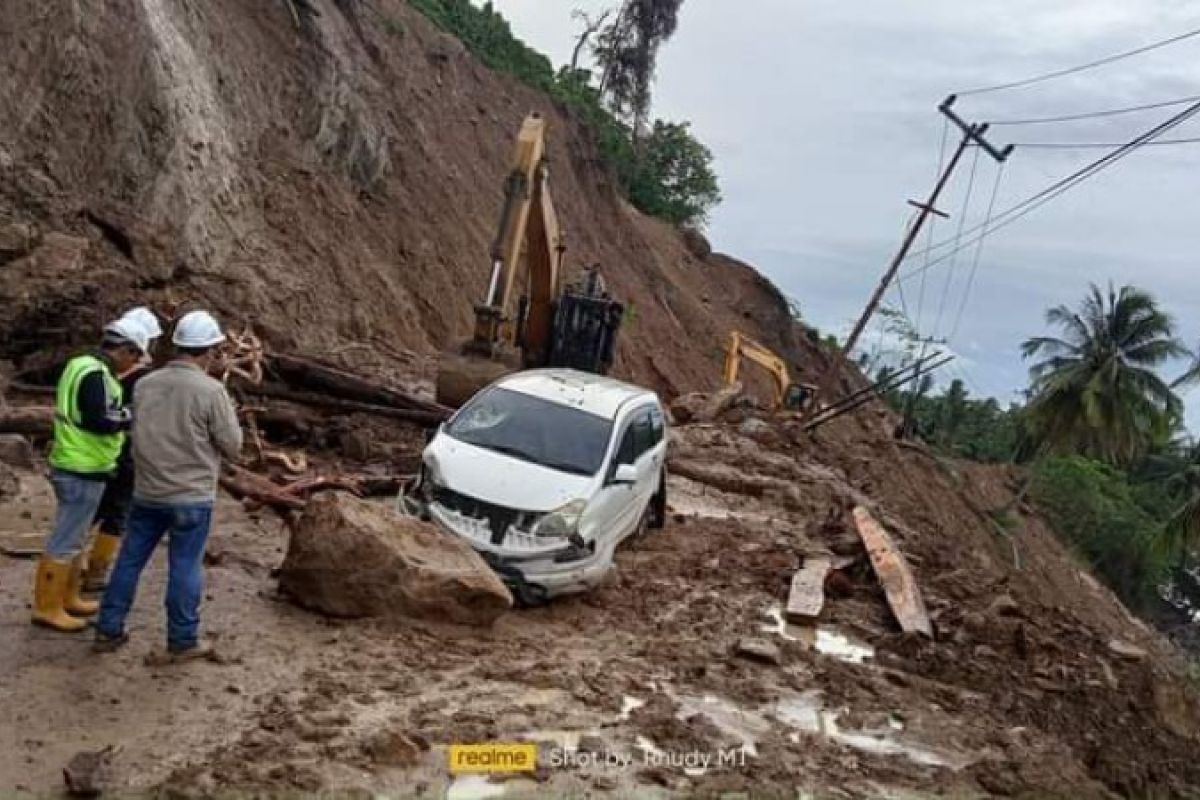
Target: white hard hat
(129, 331)
(197, 329)
(147, 319)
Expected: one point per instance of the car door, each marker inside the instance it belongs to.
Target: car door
(619, 505)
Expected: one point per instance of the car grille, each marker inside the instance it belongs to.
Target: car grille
(499, 518)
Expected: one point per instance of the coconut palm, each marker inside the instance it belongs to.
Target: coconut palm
(1177, 470)
(1096, 390)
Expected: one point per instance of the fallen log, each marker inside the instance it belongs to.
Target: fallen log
(304, 373)
(242, 484)
(27, 420)
(807, 595)
(899, 583)
(428, 419)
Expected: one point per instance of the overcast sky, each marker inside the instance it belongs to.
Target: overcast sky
(822, 115)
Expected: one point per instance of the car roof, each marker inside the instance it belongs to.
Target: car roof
(595, 394)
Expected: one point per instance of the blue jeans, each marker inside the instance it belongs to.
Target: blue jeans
(78, 498)
(187, 529)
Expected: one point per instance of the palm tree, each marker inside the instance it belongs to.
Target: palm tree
(1096, 390)
(1177, 469)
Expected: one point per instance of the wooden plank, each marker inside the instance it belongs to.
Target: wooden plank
(807, 597)
(903, 593)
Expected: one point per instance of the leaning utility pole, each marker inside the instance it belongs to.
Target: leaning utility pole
(971, 134)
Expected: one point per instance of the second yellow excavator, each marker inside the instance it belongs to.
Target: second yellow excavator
(549, 324)
(788, 395)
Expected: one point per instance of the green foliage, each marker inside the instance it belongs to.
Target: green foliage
(959, 425)
(1096, 390)
(1097, 511)
(668, 175)
(674, 179)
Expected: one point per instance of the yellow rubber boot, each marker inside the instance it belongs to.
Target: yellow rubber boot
(49, 594)
(74, 602)
(100, 558)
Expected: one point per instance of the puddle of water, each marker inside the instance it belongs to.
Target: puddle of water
(629, 704)
(831, 642)
(779, 626)
(473, 787)
(807, 713)
(743, 725)
(825, 640)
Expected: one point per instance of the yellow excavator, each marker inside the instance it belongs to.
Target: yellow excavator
(788, 396)
(529, 317)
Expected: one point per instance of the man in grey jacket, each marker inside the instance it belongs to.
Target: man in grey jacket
(184, 422)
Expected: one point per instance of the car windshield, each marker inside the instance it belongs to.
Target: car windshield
(534, 430)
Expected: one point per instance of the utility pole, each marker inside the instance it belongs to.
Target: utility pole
(971, 134)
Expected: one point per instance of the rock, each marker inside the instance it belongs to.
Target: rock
(1127, 651)
(10, 484)
(393, 749)
(351, 558)
(605, 783)
(592, 744)
(760, 650)
(719, 403)
(16, 240)
(686, 408)
(88, 772)
(1004, 606)
(16, 450)
(760, 431)
(696, 243)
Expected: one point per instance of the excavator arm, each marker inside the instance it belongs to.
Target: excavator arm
(527, 317)
(526, 253)
(787, 394)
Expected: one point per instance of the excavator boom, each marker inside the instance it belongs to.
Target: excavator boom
(787, 394)
(527, 317)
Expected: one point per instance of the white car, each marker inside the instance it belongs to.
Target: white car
(545, 472)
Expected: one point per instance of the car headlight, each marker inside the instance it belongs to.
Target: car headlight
(561, 523)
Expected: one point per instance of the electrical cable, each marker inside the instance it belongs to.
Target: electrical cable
(987, 220)
(1108, 112)
(1082, 67)
(1097, 145)
(1053, 190)
(962, 224)
(933, 217)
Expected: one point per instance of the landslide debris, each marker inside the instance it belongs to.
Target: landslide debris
(352, 558)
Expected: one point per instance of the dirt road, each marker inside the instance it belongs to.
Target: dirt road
(629, 688)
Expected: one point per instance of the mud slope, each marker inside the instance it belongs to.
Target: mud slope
(333, 179)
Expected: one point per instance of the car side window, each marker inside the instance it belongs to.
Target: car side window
(657, 426)
(637, 438)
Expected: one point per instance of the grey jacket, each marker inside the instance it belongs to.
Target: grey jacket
(183, 422)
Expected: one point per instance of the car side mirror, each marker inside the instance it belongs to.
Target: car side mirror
(625, 474)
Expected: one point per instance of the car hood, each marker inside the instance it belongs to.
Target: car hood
(500, 479)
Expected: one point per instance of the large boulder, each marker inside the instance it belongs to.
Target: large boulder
(352, 558)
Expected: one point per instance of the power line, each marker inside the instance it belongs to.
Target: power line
(933, 218)
(962, 223)
(1083, 67)
(1097, 145)
(1108, 112)
(1051, 192)
(1081, 174)
(987, 220)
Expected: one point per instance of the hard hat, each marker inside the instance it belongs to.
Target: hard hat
(197, 329)
(147, 319)
(126, 330)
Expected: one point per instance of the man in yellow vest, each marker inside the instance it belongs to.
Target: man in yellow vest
(89, 423)
(118, 492)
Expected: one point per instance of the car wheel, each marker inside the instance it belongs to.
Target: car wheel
(657, 508)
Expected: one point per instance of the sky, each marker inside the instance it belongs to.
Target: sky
(822, 117)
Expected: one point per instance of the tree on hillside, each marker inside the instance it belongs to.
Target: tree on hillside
(627, 51)
(674, 178)
(1096, 390)
(1177, 472)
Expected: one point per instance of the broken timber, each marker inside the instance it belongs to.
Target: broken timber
(807, 596)
(27, 420)
(903, 594)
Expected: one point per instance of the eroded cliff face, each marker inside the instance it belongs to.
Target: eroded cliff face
(333, 178)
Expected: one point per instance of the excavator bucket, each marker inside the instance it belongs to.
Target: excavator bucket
(462, 375)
